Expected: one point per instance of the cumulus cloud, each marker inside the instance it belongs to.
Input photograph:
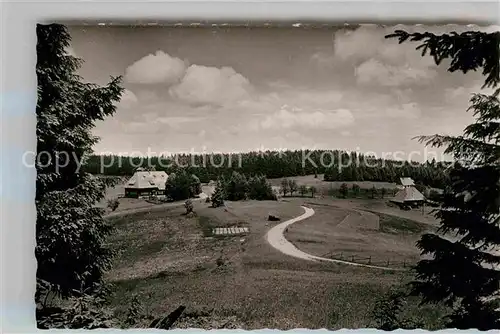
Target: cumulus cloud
(128, 99)
(406, 110)
(321, 58)
(374, 71)
(381, 61)
(158, 68)
(152, 123)
(462, 93)
(288, 118)
(177, 121)
(211, 85)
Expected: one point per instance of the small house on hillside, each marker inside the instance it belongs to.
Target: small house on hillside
(145, 183)
(408, 195)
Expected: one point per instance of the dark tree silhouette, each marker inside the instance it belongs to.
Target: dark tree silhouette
(461, 271)
(70, 230)
(286, 165)
(344, 190)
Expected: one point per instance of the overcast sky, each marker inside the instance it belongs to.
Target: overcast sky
(239, 89)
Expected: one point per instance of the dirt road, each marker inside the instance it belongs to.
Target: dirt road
(275, 237)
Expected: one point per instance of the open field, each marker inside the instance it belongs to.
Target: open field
(168, 259)
(358, 236)
(133, 204)
(323, 187)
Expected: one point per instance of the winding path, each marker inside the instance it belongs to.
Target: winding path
(275, 237)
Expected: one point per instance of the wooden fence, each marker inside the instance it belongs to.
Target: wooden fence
(369, 260)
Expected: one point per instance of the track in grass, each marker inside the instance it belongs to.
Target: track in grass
(276, 238)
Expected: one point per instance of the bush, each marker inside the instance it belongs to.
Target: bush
(344, 190)
(113, 204)
(356, 189)
(399, 310)
(260, 189)
(284, 186)
(237, 187)
(83, 312)
(134, 312)
(189, 206)
(195, 185)
(182, 186)
(302, 190)
(435, 196)
(292, 186)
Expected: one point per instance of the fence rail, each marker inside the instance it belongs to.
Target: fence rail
(369, 260)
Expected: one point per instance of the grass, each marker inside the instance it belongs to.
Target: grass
(205, 226)
(283, 299)
(167, 261)
(397, 225)
(361, 237)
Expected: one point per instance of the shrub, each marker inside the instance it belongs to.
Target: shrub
(435, 196)
(181, 186)
(189, 206)
(113, 204)
(344, 190)
(260, 189)
(356, 189)
(292, 186)
(284, 186)
(134, 312)
(302, 190)
(237, 187)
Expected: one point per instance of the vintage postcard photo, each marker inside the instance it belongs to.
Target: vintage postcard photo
(236, 176)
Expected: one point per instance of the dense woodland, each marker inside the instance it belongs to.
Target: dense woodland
(277, 165)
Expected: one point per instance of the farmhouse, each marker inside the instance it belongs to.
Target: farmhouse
(409, 195)
(144, 183)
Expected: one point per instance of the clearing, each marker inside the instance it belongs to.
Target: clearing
(168, 259)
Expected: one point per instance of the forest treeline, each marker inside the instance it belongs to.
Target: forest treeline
(335, 165)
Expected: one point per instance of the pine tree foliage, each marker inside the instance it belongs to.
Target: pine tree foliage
(219, 195)
(462, 268)
(70, 230)
(237, 187)
(287, 164)
(467, 51)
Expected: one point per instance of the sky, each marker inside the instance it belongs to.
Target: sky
(239, 89)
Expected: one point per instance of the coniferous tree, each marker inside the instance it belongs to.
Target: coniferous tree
(285, 186)
(302, 190)
(313, 190)
(260, 189)
(292, 186)
(356, 189)
(237, 187)
(70, 230)
(461, 272)
(219, 195)
(344, 190)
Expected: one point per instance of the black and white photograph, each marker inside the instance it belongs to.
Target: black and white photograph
(267, 175)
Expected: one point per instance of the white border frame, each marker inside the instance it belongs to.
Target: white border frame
(18, 93)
